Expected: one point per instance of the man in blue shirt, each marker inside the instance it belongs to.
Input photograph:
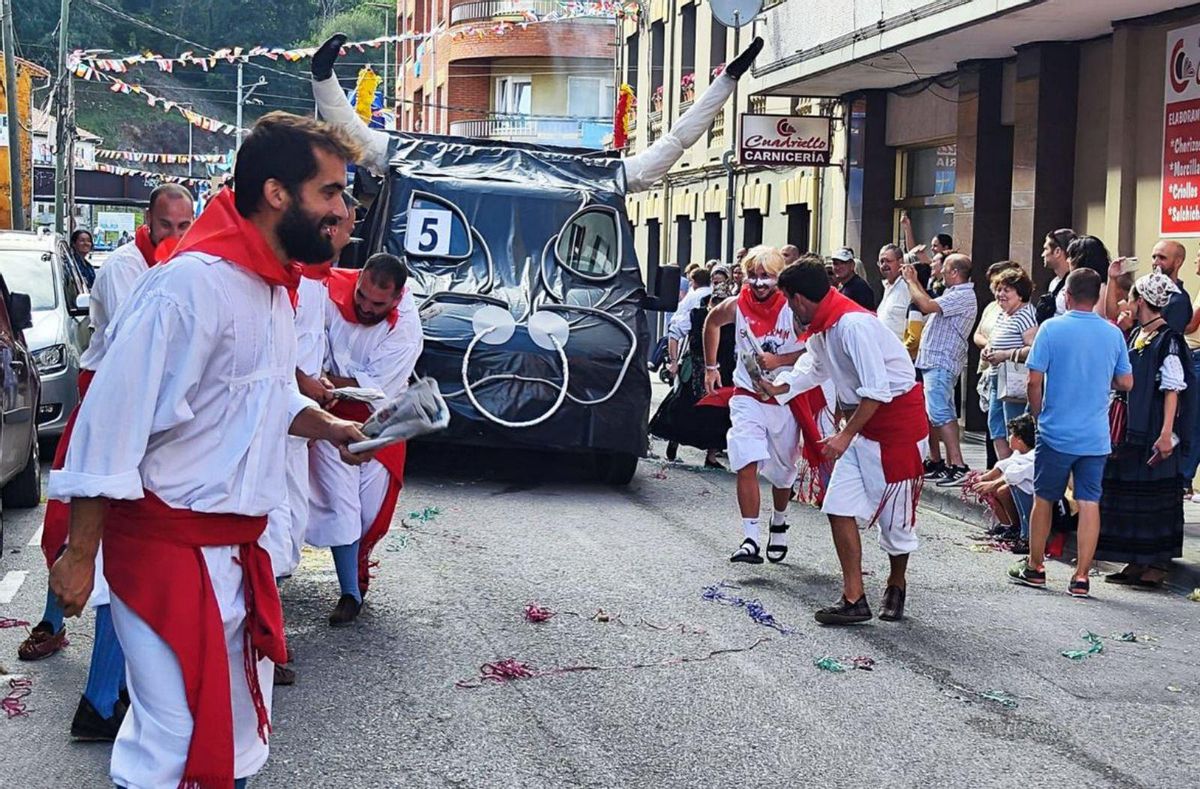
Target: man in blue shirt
(1077, 358)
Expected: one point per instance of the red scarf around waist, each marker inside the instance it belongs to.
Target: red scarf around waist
(899, 427)
(153, 563)
(57, 520)
(806, 407)
(392, 457)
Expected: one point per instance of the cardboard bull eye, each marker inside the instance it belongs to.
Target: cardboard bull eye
(546, 327)
(493, 325)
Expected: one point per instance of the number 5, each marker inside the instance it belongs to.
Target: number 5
(429, 229)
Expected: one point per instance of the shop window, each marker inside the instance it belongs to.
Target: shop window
(798, 222)
(927, 183)
(752, 228)
(683, 241)
(712, 236)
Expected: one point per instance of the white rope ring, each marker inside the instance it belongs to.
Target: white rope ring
(562, 392)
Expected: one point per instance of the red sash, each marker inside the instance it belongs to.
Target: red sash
(761, 316)
(57, 520)
(153, 562)
(392, 457)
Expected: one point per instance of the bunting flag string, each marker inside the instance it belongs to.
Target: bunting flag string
(574, 9)
(117, 85)
(164, 158)
(176, 179)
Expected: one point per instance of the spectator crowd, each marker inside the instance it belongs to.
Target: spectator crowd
(1087, 386)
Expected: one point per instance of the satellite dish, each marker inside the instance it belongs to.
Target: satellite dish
(736, 13)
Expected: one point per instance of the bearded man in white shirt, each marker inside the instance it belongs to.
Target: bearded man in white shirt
(179, 454)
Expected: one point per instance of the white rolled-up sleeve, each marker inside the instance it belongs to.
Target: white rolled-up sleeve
(867, 357)
(150, 373)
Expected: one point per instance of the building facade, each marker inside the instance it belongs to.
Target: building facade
(491, 70)
(670, 55)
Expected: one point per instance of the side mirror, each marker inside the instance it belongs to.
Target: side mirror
(20, 311)
(666, 290)
(83, 303)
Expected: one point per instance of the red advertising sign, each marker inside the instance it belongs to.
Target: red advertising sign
(1181, 137)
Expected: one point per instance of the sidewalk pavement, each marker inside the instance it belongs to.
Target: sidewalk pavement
(1185, 574)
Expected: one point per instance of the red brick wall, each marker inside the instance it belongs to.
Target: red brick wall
(468, 90)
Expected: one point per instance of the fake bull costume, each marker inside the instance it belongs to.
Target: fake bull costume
(201, 366)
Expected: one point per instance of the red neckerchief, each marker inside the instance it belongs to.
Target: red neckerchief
(318, 271)
(762, 316)
(153, 255)
(341, 284)
(830, 311)
(221, 231)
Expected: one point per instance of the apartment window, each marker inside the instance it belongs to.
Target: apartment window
(653, 241)
(657, 50)
(683, 241)
(713, 224)
(798, 221)
(927, 183)
(590, 97)
(514, 95)
(752, 227)
(687, 62)
(631, 61)
(716, 45)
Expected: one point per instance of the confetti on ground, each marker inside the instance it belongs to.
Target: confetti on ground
(754, 609)
(1194, 596)
(398, 542)
(1174, 688)
(1095, 647)
(14, 703)
(862, 663)
(536, 613)
(991, 546)
(424, 516)
(998, 696)
(661, 473)
(5, 622)
(512, 669)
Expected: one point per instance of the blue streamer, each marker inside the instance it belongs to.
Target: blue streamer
(754, 609)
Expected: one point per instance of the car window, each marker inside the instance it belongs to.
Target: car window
(589, 243)
(71, 285)
(436, 228)
(31, 272)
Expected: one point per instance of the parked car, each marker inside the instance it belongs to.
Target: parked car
(20, 473)
(38, 265)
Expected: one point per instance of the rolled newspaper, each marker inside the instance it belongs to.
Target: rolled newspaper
(419, 410)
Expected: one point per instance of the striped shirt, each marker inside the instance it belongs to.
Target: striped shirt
(1010, 330)
(944, 341)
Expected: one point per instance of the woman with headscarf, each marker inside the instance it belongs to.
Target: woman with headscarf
(1141, 508)
(677, 419)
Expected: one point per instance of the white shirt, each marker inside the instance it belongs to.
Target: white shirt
(1018, 470)
(379, 356)
(893, 307)
(860, 356)
(194, 398)
(114, 282)
(681, 321)
(310, 326)
(780, 340)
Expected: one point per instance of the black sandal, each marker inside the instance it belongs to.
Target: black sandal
(747, 552)
(776, 553)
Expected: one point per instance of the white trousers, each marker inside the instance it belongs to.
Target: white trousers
(766, 434)
(152, 745)
(287, 523)
(856, 491)
(344, 500)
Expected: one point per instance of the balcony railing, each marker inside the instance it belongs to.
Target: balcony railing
(656, 121)
(585, 132)
(478, 10)
(716, 132)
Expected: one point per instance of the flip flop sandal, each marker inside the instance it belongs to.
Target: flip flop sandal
(776, 553)
(747, 552)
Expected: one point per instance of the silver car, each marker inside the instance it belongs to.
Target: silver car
(41, 266)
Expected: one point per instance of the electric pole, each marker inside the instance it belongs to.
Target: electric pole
(243, 96)
(14, 122)
(64, 122)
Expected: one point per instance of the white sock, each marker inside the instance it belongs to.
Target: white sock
(750, 527)
(778, 517)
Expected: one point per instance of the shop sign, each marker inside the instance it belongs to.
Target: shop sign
(785, 140)
(1181, 138)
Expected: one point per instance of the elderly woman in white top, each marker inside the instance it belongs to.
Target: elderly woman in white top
(1008, 345)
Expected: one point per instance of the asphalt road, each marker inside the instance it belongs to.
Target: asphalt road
(376, 704)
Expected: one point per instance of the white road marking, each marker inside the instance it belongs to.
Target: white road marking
(36, 539)
(11, 584)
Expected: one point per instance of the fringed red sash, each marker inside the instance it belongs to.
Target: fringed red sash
(392, 457)
(153, 562)
(57, 520)
(899, 427)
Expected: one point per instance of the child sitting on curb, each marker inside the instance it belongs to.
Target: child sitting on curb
(1008, 485)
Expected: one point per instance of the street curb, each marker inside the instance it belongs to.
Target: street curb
(948, 502)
